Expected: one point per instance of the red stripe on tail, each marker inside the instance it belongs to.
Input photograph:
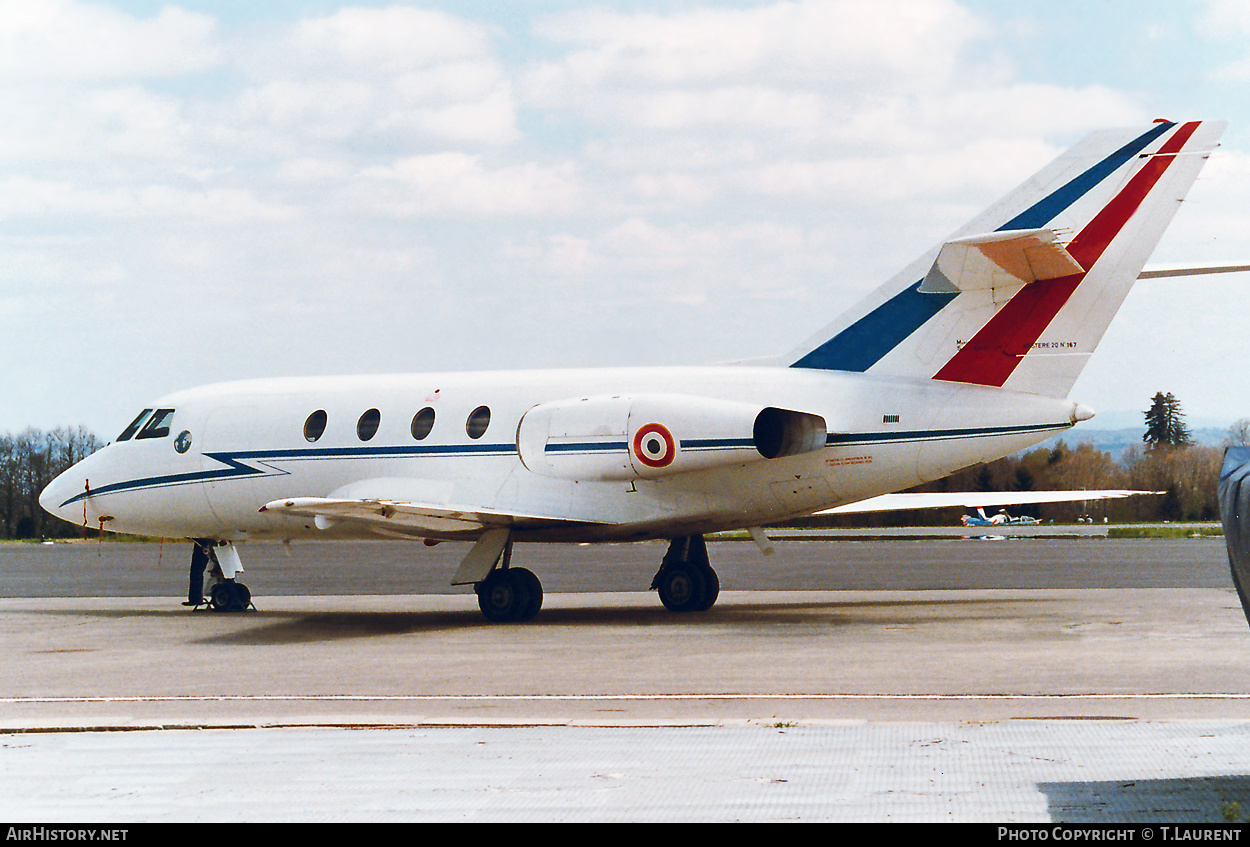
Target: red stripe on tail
(991, 356)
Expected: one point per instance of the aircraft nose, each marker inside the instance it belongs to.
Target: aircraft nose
(53, 497)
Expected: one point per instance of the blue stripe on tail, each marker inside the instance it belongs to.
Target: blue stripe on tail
(862, 344)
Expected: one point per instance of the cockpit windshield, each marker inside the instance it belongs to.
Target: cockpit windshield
(134, 426)
(158, 426)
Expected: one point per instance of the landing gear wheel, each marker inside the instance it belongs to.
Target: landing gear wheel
(683, 588)
(509, 596)
(535, 589)
(711, 589)
(686, 581)
(230, 596)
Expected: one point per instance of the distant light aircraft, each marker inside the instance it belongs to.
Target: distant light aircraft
(965, 356)
(1000, 519)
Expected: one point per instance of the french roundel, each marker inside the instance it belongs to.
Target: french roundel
(654, 446)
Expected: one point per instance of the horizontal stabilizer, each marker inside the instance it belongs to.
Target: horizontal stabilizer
(1160, 271)
(1010, 258)
(976, 499)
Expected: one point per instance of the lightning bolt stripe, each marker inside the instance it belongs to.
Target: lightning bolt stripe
(252, 463)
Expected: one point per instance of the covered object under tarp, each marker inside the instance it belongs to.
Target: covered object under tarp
(1235, 515)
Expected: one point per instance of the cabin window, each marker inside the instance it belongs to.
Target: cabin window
(367, 426)
(158, 425)
(134, 426)
(315, 426)
(478, 420)
(422, 423)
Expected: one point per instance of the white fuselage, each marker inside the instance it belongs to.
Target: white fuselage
(233, 447)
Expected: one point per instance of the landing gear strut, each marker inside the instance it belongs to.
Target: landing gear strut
(686, 581)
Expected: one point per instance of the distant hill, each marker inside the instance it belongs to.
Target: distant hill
(1116, 441)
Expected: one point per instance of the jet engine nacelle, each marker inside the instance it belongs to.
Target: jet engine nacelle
(654, 435)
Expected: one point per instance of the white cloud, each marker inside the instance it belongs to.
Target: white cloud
(363, 76)
(324, 109)
(458, 184)
(740, 105)
(24, 198)
(819, 97)
(58, 124)
(803, 68)
(827, 41)
(1225, 18)
(1228, 21)
(381, 42)
(63, 39)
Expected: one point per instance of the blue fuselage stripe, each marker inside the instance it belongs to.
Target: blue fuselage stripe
(621, 446)
(587, 447)
(841, 438)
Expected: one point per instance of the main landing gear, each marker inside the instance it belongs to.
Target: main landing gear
(686, 581)
(225, 593)
(507, 594)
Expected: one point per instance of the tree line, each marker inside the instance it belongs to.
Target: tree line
(1166, 460)
(1188, 476)
(28, 462)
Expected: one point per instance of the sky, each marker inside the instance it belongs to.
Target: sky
(195, 192)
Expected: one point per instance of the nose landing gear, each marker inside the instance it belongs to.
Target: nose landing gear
(225, 593)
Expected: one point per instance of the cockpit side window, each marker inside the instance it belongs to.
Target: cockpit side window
(158, 426)
(134, 426)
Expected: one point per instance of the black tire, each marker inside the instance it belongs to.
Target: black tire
(711, 590)
(507, 596)
(535, 589)
(221, 597)
(230, 596)
(682, 587)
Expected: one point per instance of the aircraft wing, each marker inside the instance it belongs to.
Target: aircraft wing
(395, 517)
(976, 499)
(1159, 271)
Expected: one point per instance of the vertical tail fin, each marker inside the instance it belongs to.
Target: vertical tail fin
(1021, 295)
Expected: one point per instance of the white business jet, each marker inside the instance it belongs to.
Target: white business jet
(965, 356)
